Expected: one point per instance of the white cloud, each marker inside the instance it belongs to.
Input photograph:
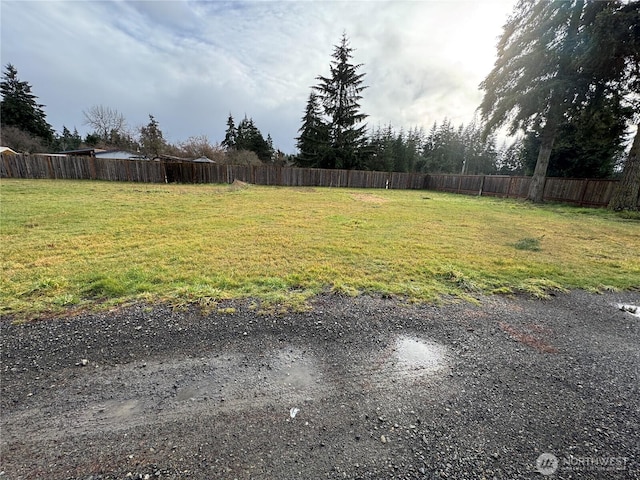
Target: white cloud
(191, 63)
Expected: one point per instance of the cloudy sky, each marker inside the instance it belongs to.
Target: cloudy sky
(191, 63)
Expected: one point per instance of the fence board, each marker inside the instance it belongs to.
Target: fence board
(588, 192)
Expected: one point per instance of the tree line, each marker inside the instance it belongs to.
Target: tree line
(25, 129)
(565, 83)
(566, 78)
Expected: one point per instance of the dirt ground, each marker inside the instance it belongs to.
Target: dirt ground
(354, 388)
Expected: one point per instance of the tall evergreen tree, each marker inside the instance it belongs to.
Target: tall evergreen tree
(151, 138)
(381, 144)
(535, 81)
(393, 151)
(231, 134)
(340, 95)
(249, 137)
(444, 150)
(613, 57)
(627, 195)
(480, 154)
(587, 145)
(413, 145)
(313, 139)
(68, 140)
(19, 107)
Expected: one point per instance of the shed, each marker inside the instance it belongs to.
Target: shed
(7, 151)
(203, 159)
(83, 152)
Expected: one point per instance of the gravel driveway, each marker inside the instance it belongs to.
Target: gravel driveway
(354, 388)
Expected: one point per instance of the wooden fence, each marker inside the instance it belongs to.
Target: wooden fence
(587, 192)
(580, 191)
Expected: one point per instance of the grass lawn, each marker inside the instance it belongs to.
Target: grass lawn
(77, 244)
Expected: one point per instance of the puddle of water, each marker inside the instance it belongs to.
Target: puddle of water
(414, 354)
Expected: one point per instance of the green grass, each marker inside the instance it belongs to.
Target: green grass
(69, 245)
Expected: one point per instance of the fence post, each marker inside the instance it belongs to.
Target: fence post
(481, 185)
(510, 187)
(127, 170)
(584, 191)
(50, 172)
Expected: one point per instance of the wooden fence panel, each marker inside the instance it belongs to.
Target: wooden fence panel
(557, 189)
(454, 183)
(470, 184)
(597, 193)
(496, 185)
(356, 178)
(588, 192)
(519, 187)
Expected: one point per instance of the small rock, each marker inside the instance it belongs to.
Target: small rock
(383, 439)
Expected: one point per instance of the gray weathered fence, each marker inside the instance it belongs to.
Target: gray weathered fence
(588, 192)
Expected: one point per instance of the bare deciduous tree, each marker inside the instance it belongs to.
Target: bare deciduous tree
(105, 121)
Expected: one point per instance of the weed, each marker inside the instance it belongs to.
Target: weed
(528, 243)
(227, 310)
(629, 215)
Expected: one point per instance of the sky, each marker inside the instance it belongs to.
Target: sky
(192, 63)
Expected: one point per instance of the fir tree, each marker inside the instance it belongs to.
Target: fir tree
(67, 140)
(19, 107)
(249, 137)
(231, 135)
(313, 141)
(614, 56)
(535, 81)
(339, 95)
(151, 138)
